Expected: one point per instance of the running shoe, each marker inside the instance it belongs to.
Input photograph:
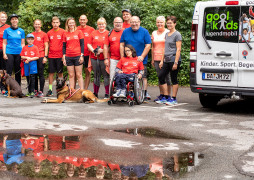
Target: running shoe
(158, 98)
(147, 96)
(163, 100)
(32, 95)
(40, 94)
(49, 93)
(6, 93)
(117, 93)
(171, 102)
(96, 95)
(36, 93)
(28, 94)
(122, 93)
(106, 96)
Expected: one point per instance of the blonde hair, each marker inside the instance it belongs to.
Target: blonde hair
(66, 24)
(2, 12)
(37, 20)
(161, 18)
(101, 19)
(55, 18)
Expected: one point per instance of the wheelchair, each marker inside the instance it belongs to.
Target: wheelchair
(134, 92)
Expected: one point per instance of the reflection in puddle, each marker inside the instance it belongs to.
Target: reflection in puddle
(40, 156)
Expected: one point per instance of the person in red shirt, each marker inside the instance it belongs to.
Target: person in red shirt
(29, 55)
(73, 51)
(3, 26)
(41, 41)
(55, 55)
(86, 30)
(126, 69)
(127, 18)
(96, 43)
(112, 46)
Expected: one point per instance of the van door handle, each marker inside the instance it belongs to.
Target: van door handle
(223, 54)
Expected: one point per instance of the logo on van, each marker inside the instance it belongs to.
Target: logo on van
(249, 2)
(223, 20)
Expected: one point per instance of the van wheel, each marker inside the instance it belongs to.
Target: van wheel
(208, 101)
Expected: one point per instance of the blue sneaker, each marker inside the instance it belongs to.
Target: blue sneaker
(6, 93)
(162, 101)
(158, 98)
(171, 102)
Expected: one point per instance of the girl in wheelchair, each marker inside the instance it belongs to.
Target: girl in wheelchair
(126, 69)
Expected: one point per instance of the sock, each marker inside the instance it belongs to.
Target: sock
(50, 87)
(166, 96)
(174, 98)
(145, 92)
(96, 89)
(107, 89)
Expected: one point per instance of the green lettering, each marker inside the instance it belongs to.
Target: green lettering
(228, 15)
(215, 25)
(235, 26)
(229, 25)
(216, 17)
(209, 18)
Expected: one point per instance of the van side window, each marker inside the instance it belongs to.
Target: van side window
(246, 28)
(222, 24)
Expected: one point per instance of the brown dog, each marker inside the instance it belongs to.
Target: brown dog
(12, 85)
(65, 95)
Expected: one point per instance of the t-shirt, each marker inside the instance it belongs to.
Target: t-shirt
(30, 51)
(2, 28)
(73, 160)
(58, 159)
(13, 152)
(114, 42)
(126, 25)
(55, 142)
(138, 39)
(56, 43)
(158, 45)
(170, 46)
(72, 40)
(85, 162)
(97, 39)
(30, 143)
(86, 31)
(130, 65)
(40, 156)
(39, 40)
(14, 38)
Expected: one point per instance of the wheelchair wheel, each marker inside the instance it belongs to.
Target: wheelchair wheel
(112, 88)
(139, 90)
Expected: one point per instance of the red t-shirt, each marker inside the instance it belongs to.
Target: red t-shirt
(95, 162)
(39, 39)
(72, 144)
(114, 166)
(130, 65)
(39, 156)
(30, 51)
(114, 41)
(86, 31)
(73, 160)
(97, 39)
(2, 28)
(58, 159)
(126, 25)
(30, 143)
(55, 142)
(72, 40)
(86, 162)
(56, 43)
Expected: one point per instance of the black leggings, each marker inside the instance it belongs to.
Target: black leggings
(31, 82)
(14, 61)
(167, 68)
(40, 67)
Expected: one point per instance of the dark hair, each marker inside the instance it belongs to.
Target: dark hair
(172, 18)
(134, 54)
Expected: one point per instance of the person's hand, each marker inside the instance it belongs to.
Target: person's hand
(44, 60)
(140, 58)
(5, 56)
(251, 7)
(120, 72)
(100, 51)
(106, 62)
(64, 61)
(27, 61)
(161, 64)
(152, 63)
(174, 67)
(139, 76)
(5, 137)
(81, 59)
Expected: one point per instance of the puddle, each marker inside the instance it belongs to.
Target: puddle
(87, 156)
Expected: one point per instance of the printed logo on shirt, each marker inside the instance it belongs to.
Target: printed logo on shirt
(18, 32)
(51, 37)
(32, 53)
(75, 37)
(113, 38)
(38, 38)
(103, 38)
(134, 64)
(75, 159)
(25, 53)
(125, 64)
(86, 34)
(96, 37)
(68, 38)
(59, 37)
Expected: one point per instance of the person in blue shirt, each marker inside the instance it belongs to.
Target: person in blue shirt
(140, 39)
(13, 42)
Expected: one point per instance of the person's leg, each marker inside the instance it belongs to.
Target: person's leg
(147, 96)
(157, 68)
(32, 84)
(2, 67)
(79, 70)
(105, 77)
(9, 64)
(173, 75)
(51, 70)
(17, 69)
(59, 67)
(162, 75)
(96, 81)
(40, 67)
(113, 64)
(87, 73)
(28, 85)
(71, 73)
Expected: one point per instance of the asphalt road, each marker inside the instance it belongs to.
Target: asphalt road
(223, 135)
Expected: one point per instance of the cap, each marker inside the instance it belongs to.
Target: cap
(13, 15)
(30, 36)
(126, 10)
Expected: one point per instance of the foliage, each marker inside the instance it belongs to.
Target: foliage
(147, 10)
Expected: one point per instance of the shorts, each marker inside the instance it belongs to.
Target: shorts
(85, 63)
(72, 61)
(55, 65)
(145, 71)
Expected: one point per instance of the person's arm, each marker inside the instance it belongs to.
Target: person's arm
(152, 62)
(23, 42)
(178, 53)
(105, 54)
(64, 52)
(4, 141)
(82, 44)
(4, 49)
(118, 70)
(145, 52)
(46, 45)
(45, 143)
(122, 49)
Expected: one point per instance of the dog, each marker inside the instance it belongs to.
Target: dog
(13, 87)
(64, 94)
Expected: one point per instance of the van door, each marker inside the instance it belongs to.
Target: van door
(217, 45)
(246, 43)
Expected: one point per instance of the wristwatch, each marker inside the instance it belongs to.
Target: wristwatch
(176, 63)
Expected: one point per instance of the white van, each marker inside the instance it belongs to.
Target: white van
(222, 51)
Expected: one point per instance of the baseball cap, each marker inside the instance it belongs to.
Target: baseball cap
(126, 10)
(30, 36)
(13, 15)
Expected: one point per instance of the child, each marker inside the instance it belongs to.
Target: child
(126, 69)
(29, 54)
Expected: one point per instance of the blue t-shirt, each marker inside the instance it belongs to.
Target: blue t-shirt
(139, 170)
(138, 39)
(13, 40)
(13, 152)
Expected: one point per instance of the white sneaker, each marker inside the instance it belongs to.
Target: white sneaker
(116, 94)
(123, 93)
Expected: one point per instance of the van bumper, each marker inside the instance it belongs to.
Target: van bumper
(222, 91)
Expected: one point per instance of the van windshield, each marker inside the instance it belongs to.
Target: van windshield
(222, 24)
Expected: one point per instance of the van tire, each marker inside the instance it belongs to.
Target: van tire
(208, 101)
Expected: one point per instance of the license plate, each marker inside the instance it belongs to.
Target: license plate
(216, 76)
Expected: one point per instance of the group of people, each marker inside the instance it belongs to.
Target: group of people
(118, 53)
